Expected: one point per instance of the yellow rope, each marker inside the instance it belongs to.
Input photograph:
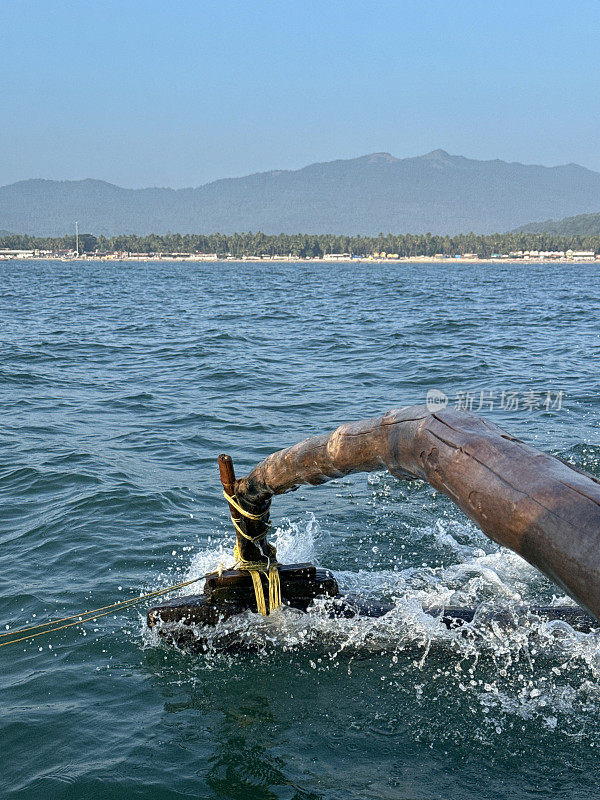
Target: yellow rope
(258, 592)
(86, 616)
(274, 588)
(232, 500)
(270, 569)
(94, 610)
(255, 568)
(245, 535)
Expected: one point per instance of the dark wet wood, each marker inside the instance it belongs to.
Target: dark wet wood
(232, 593)
(298, 582)
(186, 620)
(227, 476)
(191, 610)
(254, 528)
(522, 498)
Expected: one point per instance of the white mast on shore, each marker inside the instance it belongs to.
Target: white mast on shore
(77, 237)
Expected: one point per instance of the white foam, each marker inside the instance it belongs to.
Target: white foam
(567, 686)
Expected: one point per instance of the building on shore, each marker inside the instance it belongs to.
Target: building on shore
(5, 253)
(580, 255)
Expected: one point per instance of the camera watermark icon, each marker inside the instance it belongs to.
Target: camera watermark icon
(487, 400)
(436, 400)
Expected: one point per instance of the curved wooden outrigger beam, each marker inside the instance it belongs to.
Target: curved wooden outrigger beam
(545, 510)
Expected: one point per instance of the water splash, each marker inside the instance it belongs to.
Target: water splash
(519, 668)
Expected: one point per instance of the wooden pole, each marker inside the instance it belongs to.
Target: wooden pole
(538, 506)
(248, 550)
(227, 475)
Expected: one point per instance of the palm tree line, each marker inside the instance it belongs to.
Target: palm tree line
(307, 245)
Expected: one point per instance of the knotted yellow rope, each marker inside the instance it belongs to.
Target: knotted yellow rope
(232, 500)
(256, 568)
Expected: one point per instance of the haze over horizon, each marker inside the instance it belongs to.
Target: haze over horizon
(436, 192)
(137, 96)
(381, 155)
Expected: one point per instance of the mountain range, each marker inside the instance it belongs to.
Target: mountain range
(437, 192)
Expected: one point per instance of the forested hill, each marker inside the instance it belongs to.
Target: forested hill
(437, 193)
(581, 225)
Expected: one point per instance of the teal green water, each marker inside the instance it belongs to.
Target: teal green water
(119, 386)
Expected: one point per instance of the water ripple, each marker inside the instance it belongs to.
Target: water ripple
(121, 383)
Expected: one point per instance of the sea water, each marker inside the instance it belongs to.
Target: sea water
(120, 383)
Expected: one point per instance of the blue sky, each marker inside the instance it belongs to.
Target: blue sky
(178, 93)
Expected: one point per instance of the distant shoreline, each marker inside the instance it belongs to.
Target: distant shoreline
(249, 246)
(297, 260)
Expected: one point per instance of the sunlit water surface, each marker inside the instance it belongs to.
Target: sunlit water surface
(119, 386)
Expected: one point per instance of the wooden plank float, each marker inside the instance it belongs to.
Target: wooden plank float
(231, 592)
(538, 506)
(187, 621)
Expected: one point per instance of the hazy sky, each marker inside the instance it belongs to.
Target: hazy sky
(181, 92)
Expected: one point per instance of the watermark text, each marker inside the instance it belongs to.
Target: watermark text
(486, 400)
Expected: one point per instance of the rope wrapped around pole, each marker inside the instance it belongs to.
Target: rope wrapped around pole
(545, 510)
(252, 552)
